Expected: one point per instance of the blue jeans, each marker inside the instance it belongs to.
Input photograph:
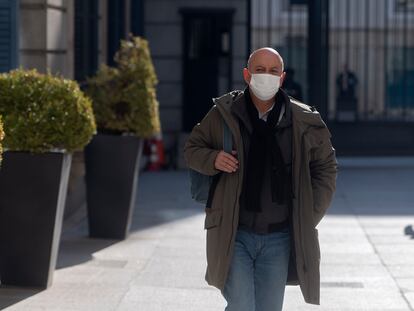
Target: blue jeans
(258, 272)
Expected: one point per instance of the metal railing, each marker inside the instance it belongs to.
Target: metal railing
(373, 39)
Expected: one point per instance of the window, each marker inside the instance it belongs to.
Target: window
(8, 35)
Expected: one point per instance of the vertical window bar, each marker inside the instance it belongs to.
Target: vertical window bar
(282, 28)
(269, 22)
(358, 50)
(305, 66)
(375, 55)
(332, 56)
(259, 24)
(404, 67)
(338, 39)
(347, 31)
(249, 26)
(394, 54)
(366, 74)
(262, 24)
(386, 33)
(289, 34)
(342, 19)
(255, 19)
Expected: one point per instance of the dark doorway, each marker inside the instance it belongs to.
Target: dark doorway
(86, 38)
(116, 28)
(207, 50)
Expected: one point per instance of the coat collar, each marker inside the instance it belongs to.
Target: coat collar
(239, 109)
(301, 116)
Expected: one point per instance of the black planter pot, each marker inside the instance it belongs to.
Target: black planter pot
(32, 199)
(112, 167)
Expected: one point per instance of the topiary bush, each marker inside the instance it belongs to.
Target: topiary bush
(42, 112)
(124, 97)
(1, 138)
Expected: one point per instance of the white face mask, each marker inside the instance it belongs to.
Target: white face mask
(264, 85)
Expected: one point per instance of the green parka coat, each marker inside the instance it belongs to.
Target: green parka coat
(314, 170)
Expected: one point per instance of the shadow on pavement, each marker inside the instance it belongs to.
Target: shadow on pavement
(12, 295)
(163, 197)
(374, 187)
(76, 250)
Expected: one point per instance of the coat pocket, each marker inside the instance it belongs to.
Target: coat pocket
(213, 218)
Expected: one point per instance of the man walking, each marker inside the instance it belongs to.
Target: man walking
(269, 194)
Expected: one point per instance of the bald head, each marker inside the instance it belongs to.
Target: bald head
(264, 55)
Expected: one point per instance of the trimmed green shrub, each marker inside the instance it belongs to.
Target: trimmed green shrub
(1, 138)
(42, 112)
(124, 97)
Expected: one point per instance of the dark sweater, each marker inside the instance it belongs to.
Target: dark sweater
(272, 214)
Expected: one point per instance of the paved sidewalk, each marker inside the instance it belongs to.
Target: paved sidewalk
(367, 245)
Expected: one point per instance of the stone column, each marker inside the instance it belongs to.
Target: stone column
(47, 42)
(47, 35)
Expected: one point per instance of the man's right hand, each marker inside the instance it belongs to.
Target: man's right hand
(226, 162)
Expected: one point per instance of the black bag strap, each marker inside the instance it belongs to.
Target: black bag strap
(227, 138)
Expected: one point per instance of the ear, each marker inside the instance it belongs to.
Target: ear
(282, 78)
(247, 76)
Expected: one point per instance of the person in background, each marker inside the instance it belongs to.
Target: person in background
(346, 97)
